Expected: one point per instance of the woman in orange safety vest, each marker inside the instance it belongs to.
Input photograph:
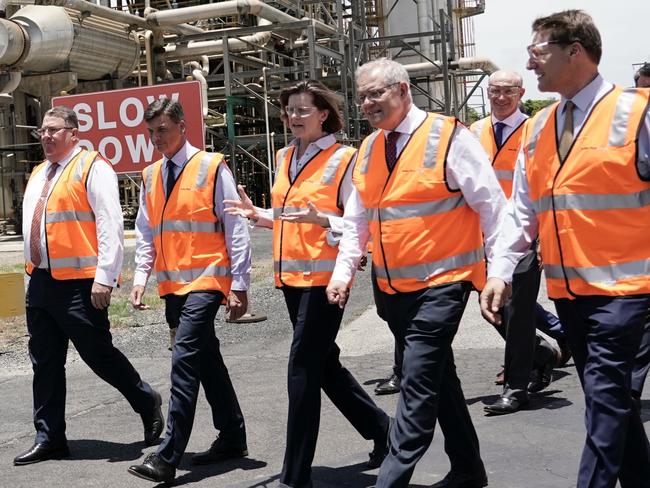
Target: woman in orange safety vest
(312, 183)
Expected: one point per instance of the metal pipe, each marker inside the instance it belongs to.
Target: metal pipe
(424, 69)
(148, 56)
(9, 81)
(269, 156)
(197, 74)
(424, 25)
(229, 7)
(194, 49)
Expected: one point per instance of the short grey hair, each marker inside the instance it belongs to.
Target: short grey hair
(68, 115)
(392, 71)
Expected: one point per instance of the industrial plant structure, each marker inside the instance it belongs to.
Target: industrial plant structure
(243, 52)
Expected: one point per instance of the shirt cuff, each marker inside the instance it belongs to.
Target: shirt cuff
(343, 275)
(107, 278)
(140, 278)
(240, 282)
(501, 268)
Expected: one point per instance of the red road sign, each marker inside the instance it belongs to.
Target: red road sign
(111, 122)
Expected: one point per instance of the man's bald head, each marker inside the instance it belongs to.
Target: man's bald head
(505, 92)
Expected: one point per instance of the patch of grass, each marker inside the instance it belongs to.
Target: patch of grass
(13, 268)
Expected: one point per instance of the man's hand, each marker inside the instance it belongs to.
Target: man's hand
(236, 304)
(363, 262)
(310, 216)
(337, 293)
(100, 295)
(137, 292)
(493, 297)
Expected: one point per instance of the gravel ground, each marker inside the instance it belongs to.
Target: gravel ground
(145, 332)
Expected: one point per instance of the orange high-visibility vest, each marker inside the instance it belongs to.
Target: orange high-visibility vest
(593, 209)
(70, 227)
(302, 254)
(503, 159)
(424, 234)
(191, 253)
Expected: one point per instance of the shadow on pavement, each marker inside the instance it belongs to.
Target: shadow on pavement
(198, 473)
(88, 449)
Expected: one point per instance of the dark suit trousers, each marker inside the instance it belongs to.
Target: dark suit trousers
(314, 364)
(59, 311)
(524, 349)
(398, 352)
(196, 359)
(427, 321)
(604, 334)
(642, 360)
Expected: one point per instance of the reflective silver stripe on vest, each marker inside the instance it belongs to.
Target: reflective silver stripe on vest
(202, 173)
(424, 271)
(621, 118)
(69, 216)
(187, 226)
(304, 266)
(147, 174)
(433, 143)
(477, 127)
(282, 153)
(74, 262)
(333, 165)
(593, 202)
(540, 122)
(278, 211)
(504, 174)
(415, 210)
(79, 168)
(189, 275)
(607, 275)
(365, 162)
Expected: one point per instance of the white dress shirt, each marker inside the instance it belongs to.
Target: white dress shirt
(235, 228)
(520, 225)
(336, 223)
(104, 200)
(511, 122)
(468, 169)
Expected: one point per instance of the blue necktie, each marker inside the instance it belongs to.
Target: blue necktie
(171, 177)
(498, 133)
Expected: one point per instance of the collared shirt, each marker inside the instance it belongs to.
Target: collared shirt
(104, 200)
(520, 225)
(511, 122)
(322, 144)
(235, 229)
(468, 169)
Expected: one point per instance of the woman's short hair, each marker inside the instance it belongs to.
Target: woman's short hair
(323, 99)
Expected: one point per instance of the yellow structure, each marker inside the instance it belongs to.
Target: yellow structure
(12, 298)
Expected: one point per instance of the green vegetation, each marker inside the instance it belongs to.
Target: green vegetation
(531, 106)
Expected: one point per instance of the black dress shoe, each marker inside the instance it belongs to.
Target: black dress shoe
(41, 451)
(380, 448)
(565, 353)
(542, 376)
(507, 403)
(154, 469)
(153, 422)
(391, 385)
(220, 450)
(463, 480)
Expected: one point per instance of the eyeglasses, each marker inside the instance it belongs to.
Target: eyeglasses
(373, 95)
(539, 48)
(50, 131)
(508, 91)
(299, 111)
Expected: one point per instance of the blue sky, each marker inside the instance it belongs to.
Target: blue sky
(503, 32)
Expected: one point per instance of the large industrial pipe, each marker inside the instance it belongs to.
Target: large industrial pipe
(426, 68)
(229, 7)
(194, 49)
(9, 81)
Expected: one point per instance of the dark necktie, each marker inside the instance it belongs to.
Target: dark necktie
(391, 149)
(567, 131)
(498, 134)
(171, 177)
(37, 218)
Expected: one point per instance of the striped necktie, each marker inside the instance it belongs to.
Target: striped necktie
(37, 218)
